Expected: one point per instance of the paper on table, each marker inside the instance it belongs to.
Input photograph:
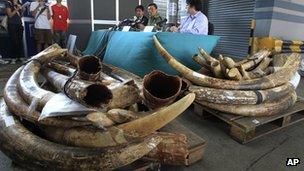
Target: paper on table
(61, 105)
(126, 28)
(148, 28)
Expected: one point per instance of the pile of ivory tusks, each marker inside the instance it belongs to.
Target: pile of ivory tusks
(249, 87)
(107, 139)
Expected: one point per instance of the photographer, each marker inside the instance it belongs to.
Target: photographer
(42, 13)
(15, 28)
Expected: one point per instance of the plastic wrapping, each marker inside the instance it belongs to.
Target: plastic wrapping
(301, 70)
(295, 80)
(61, 105)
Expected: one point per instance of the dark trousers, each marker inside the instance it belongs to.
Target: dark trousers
(60, 38)
(16, 40)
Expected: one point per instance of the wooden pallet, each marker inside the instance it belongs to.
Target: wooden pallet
(138, 165)
(141, 165)
(245, 129)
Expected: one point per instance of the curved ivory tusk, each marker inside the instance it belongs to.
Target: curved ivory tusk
(257, 58)
(89, 68)
(29, 89)
(264, 109)
(201, 61)
(234, 74)
(88, 137)
(87, 93)
(278, 78)
(259, 71)
(149, 124)
(207, 57)
(123, 133)
(17, 106)
(72, 136)
(120, 116)
(238, 97)
(216, 69)
(28, 86)
(16, 139)
(160, 89)
(228, 62)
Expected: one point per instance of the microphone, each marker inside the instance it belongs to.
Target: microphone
(160, 23)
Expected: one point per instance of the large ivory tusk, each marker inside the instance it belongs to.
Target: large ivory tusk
(28, 86)
(16, 139)
(223, 67)
(88, 137)
(237, 97)
(234, 74)
(124, 94)
(89, 68)
(278, 78)
(244, 73)
(160, 89)
(258, 57)
(17, 105)
(62, 69)
(201, 61)
(172, 150)
(259, 70)
(228, 62)
(149, 124)
(205, 71)
(207, 57)
(264, 109)
(88, 93)
(120, 134)
(99, 119)
(120, 116)
(216, 69)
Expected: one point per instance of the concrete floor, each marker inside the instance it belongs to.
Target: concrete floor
(223, 153)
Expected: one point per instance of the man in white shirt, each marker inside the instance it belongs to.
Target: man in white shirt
(42, 13)
(196, 22)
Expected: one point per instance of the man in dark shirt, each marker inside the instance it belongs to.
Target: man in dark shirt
(140, 18)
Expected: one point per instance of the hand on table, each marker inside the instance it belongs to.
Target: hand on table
(141, 27)
(174, 29)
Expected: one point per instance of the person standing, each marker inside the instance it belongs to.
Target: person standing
(15, 29)
(43, 33)
(60, 24)
(196, 22)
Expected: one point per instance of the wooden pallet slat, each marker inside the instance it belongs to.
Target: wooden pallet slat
(245, 129)
(196, 144)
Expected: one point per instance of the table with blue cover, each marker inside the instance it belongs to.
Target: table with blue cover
(136, 52)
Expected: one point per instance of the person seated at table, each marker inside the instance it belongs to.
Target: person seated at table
(140, 18)
(154, 17)
(196, 22)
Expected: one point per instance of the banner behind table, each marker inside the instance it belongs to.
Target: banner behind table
(135, 51)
